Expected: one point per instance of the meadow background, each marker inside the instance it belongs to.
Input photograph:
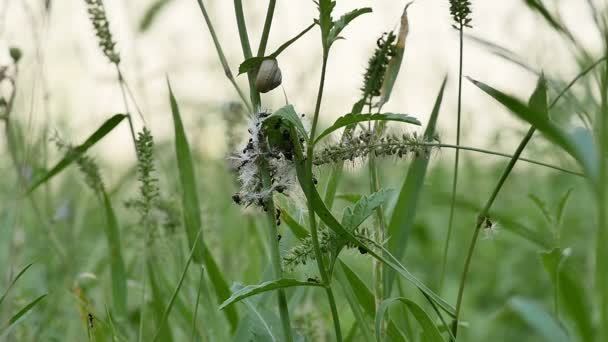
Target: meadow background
(66, 88)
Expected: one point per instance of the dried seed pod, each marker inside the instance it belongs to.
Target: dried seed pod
(269, 76)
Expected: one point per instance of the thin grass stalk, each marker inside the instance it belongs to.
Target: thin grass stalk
(446, 245)
(222, 57)
(484, 213)
(602, 199)
(201, 279)
(264, 170)
(313, 222)
(267, 25)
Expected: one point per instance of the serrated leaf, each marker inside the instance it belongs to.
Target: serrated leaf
(404, 212)
(325, 21)
(272, 285)
(350, 119)
(539, 320)
(341, 23)
(394, 65)
(430, 333)
(79, 150)
(365, 206)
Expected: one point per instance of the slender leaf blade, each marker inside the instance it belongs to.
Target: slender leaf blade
(117, 264)
(539, 320)
(272, 285)
(79, 150)
(350, 119)
(190, 203)
(430, 332)
(12, 283)
(404, 212)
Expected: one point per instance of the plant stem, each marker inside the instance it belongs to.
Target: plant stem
(313, 222)
(244, 37)
(267, 25)
(263, 166)
(201, 280)
(222, 57)
(446, 245)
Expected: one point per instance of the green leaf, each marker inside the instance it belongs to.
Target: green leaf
(251, 64)
(272, 285)
(151, 14)
(15, 319)
(222, 290)
(297, 229)
(350, 119)
(156, 302)
(364, 208)
(12, 283)
(79, 150)
(117, 264)
(352, 198)
(571, 295)
(539, 320)
(430, 333)
(284, 115)
(404, 212)
(394, 65)
(586, 157)
(351, 282)
(340, 24)
(254, 62)
(351, 296)
(325, 21)
(190, 203)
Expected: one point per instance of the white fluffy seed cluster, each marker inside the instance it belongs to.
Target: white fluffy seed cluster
(249, 161)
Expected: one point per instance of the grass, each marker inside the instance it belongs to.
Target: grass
(286, 242)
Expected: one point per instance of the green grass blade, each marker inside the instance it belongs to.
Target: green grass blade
(190, 203)
(272, 285)
(297, 229)
(539, 320)
(342, 22)
(350, 119)
(430, 333)
(585, 156)
(16, 318)
(222, 290)
(157, 304)
(151, 14)
(117, 264)
(365, 297)
(23, 270)
(351, 297)
(178, 287)
(404, 212)
(77, 151)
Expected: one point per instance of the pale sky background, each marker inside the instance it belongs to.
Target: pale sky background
(83, 90)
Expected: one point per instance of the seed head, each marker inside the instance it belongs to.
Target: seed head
(97, 15)
(461, 11)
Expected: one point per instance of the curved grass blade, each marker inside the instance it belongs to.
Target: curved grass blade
(190, 203)
(117, 264)
(351, 296)
(77, 151)
(539, 120)
(222, 290)
(297, 229)
(430, 333)
(350, 119)
(272, 285)
(404, 211)
(392, 70)
(15, 319)
(151, 14)
(539, 320)
(23, 270)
